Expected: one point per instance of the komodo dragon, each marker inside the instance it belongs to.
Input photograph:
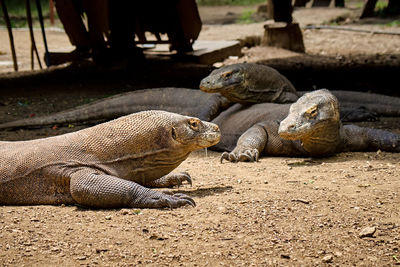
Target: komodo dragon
(205, 106)
(312, 128)
(184, 101)
(253, 83)
(107, 165)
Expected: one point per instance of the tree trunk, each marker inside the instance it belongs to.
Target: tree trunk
(321, 3)
(281, 10)
(301, 2)
(339, 3)
(368, 10)
(394, 6)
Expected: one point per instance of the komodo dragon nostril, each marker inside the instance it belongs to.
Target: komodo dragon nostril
(291, 127)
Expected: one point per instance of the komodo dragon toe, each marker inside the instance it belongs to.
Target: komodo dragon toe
(250, 155)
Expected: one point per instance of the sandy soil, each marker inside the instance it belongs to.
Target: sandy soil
(277, 212)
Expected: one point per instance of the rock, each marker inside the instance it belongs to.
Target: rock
(327, 259)
(367, 232)
(124, 212)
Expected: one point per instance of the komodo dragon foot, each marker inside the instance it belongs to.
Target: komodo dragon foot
(171, 180)
(237, 155)
(162, 200)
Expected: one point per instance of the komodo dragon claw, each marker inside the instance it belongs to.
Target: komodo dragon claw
(163, 200)
(178, 200)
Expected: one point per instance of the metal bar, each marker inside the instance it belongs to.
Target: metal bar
(33, 43)
(40, 14)
(10, 35)
(340, 28)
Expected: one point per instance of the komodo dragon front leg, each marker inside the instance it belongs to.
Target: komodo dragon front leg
(262, 138)
(91, 189)
(249, 145)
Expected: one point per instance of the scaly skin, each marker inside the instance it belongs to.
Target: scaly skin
(312, 128)
(107, 165)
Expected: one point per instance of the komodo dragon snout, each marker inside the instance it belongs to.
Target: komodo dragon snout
(309, 115)
(223, 79)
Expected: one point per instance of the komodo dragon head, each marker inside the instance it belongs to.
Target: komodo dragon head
(156, 130)
(313, 119)
(177, 130)
(190, 131)
(249, 83)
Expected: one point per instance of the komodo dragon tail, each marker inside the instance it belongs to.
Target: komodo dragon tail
(184, 101)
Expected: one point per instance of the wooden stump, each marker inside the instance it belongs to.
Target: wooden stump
(283, 35)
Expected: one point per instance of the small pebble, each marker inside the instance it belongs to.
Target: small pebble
(367, 232)
(327, 259)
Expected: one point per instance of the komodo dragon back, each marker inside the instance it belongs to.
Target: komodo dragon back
(104, 166)
(184, 101)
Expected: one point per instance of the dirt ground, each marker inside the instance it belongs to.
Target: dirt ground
(276, 212)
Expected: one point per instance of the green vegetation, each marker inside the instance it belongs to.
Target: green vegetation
(246, 17)
(17, 12)
(394, 23)
(381, 5)
(228, 2)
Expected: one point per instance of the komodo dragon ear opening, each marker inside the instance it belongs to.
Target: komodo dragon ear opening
(173, 133)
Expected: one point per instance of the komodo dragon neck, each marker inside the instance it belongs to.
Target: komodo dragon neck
(323, 141)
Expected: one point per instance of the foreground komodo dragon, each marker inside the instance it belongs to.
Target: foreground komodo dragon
(311, 128)
(108, 165)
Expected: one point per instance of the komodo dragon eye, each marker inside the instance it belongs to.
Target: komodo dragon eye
(194, 124)
(312, 112)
